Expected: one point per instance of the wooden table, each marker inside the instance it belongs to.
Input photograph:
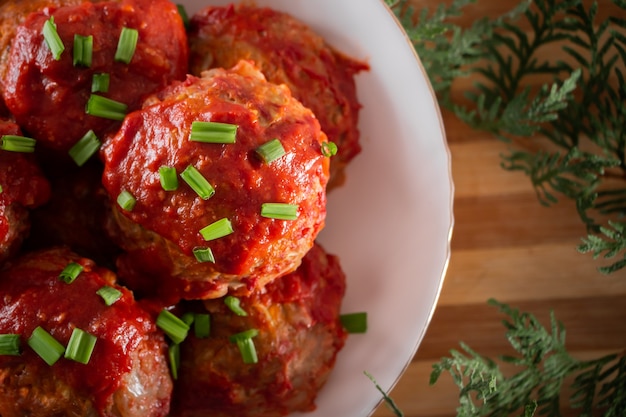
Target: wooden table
(507, 246)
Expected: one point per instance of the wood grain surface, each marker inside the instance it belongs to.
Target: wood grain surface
(507, 246)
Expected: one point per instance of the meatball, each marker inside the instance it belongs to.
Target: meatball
(22, 187)
(49, 97)
(287, 52)
(127, 373)
(163, 231)
(299, 335)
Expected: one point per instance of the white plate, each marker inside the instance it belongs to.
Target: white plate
(391, 223)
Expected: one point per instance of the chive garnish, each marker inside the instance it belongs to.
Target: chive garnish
(13, 143)
(183, 14)
(246, 345)
(213, 132)
(85, 148)
(71, 272)
(329, 149)
(168, 178)
(203, 254)
(354, 322)
(46, 346)
(109, 294)
(234, 304)
(202, 325)
(173, 353)
(10, 344)
(80, 347)
(126, 201)
(100, 83)
(52, 38)
(106, 108)
(216, 230)
(1, 189)
(281, 211)
(174, 327)
(126, 45)
(197, 182)
(83, 50)
(270, 151)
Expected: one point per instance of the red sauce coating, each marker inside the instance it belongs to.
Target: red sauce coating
(33, 295)
(158, 135)
(287, 51)
(48, 97)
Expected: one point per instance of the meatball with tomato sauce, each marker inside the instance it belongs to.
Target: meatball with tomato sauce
(230, 217)
(125, 374)
(288, 52)
(51, 94)
(22, 188)
(296, 335)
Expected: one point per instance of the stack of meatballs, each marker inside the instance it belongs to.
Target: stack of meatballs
(163, 181)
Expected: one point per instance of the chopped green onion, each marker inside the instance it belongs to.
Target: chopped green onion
(217, 229)
(10, 344)
(183, 14)
(197, 182)
(52, 38)
(246, 345)
(13, 143)
(173, 326)
(80, 347)
(1, 190)
(83, 50)
(85, 148)
(354, 322)
(106, 108)
(109, 294)
(46, 346)
(270, 151)
(280, 211)
(168, 178)
(202, 325)
(100, 83)
(329, 149)
(188, 318)
(126, 45)
(70, 272)
(213, 132)
(203, 254)
(234, 304)
(173, 353)
(126, 201)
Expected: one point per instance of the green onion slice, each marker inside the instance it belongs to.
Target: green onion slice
(173, 326)
(1, 190)
(85, 148)
(270, 151)
(46, 346)
(197, 182)
(168, 178)
(183, 14)
(100, 83)
(106, 108)
(203, 254)
(216, 230)
(213, 132)
(13, 143)
(80, 347)
(126, 201)
(173, 353)
(83, 50)
(109, 294)
(52, 38)
(354, 322)
(329, 149)
(202, 325)
(70, 272)
(126, 45)
(188, 318)
(234, 304)
(281, 211)
(10, 344)
(246, 345)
